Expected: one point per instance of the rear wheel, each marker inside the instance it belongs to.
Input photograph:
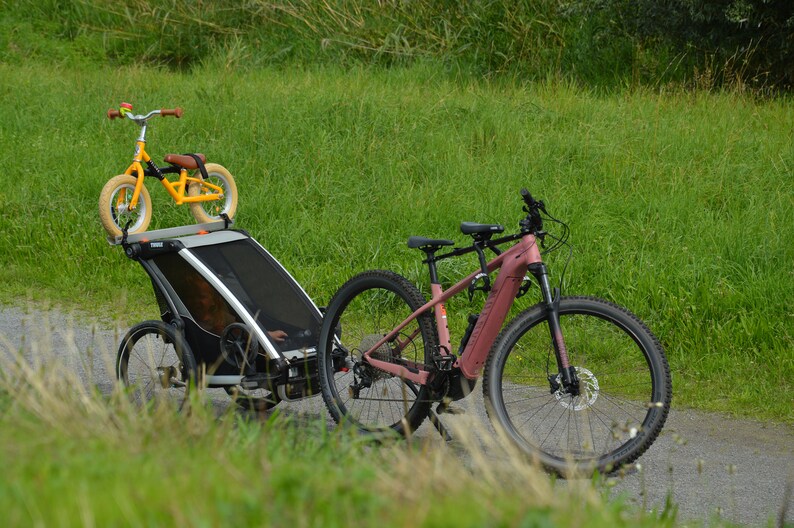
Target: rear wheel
(114, 206)
(211, 210)
(624, 387)
(156, 365)
(364, 310)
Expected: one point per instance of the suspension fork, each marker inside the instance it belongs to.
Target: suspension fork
(551, 298)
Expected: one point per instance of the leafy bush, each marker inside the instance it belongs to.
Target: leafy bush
(718, 41)
(601, 42)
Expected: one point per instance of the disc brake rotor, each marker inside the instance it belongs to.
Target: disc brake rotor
(588, 391)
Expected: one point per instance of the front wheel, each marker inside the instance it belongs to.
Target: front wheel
(211, 210)
(363, 311)
(156, 365)
(623, 396)
(115, 212)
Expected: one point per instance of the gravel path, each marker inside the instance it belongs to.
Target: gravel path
(710, 465)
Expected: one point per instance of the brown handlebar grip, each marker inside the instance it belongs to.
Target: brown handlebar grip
(113, 113)
(176, 112)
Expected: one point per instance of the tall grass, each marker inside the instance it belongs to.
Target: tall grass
(74, 457)
(530, 39)
(679, 203)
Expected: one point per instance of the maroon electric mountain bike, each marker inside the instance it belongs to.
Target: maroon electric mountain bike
(578, 383)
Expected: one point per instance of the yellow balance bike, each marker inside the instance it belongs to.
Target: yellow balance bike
(125, 204)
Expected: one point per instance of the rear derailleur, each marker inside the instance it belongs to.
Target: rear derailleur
(361, 380)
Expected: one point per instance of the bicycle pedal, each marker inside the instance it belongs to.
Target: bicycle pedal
(443, 408)
(444, 362)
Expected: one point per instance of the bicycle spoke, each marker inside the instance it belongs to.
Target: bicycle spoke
(615, 385)
(150, 363)
(373, 304)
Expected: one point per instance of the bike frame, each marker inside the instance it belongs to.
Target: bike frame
(514, 264)
(176, 189)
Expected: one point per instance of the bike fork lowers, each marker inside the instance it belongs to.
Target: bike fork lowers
(551, 298)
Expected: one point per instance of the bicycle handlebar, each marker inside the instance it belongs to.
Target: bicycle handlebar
(530, 224)
(113, 113)
(528, 198)
(533, 221)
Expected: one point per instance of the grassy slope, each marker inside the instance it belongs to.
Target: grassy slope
(679, 204)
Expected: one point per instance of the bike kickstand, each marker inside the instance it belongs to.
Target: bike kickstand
(436, 421)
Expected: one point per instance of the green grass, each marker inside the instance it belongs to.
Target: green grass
(680, 204)
(74, 458)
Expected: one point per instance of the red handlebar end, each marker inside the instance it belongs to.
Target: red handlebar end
(113, 113)
(176, 112)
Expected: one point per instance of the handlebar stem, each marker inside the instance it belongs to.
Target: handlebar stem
(142, 137)
(142, 121)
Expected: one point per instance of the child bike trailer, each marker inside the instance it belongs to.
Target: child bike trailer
(231, 317)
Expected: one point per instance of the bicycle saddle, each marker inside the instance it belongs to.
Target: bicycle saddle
(430, 243)
(184, 161)
(473, 228)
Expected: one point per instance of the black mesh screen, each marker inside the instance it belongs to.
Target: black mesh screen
(205, 305)
(263, 287)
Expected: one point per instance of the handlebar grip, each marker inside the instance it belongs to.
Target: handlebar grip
(113, 113)
(527, 197)
(176, 112)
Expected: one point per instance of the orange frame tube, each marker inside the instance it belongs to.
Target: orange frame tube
(175, 189)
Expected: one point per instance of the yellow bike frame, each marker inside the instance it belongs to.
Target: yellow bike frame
(175, 189)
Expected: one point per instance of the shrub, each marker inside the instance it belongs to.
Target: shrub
(749, 41)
